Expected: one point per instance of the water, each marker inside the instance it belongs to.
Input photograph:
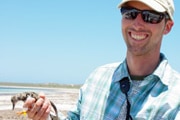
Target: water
(11, 90)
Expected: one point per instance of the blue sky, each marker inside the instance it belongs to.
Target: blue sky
(63, 41)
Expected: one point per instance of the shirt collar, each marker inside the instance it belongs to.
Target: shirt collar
(160, 70)
(122, 70)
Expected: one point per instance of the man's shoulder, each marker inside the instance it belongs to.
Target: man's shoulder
(103, 72)
(171, 76)
(110, 65)
(172, 72)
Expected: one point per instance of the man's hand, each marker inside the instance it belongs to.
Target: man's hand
(38, 110)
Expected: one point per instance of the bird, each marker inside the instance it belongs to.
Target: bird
(23, 97)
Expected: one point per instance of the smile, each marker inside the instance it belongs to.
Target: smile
(138, 36)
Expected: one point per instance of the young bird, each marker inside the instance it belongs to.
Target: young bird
(23, 97)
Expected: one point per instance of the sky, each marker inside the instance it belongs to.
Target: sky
(63, 41)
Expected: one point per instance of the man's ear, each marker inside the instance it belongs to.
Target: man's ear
(168, 26)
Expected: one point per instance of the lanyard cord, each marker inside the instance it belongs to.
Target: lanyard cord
(125, 86)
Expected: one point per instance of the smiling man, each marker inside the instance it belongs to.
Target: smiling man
(143, 86)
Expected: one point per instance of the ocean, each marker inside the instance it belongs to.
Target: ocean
(5, 90)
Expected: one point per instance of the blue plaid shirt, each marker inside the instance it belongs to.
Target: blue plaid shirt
(154, 98)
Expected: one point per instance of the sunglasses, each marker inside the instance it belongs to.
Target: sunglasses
(148, 16)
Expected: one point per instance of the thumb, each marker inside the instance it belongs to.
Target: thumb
(42, 95)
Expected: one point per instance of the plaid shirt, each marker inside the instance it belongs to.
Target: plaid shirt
(155, 98)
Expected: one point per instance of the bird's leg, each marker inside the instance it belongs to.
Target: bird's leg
(24, 112)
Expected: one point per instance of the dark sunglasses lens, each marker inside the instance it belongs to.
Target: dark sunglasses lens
(129, 13)
(148, 16)
(151, 17)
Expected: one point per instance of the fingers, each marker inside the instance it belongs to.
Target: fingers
(44, 113)
(29, 103)
(36, 108)
(40, 109)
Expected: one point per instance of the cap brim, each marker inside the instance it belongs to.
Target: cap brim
(151, 3)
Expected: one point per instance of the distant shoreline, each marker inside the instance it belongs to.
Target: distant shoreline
(41, 85)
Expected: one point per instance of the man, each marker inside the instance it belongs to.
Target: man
(144, 86)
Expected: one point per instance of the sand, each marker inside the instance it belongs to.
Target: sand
(64, 99)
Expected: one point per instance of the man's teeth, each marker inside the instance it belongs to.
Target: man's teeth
(138, 37)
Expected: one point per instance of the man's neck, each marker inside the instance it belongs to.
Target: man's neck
(142, 65)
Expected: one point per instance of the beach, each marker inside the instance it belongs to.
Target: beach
(64, 99)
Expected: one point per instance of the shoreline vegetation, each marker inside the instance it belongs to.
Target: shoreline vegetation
(42, 85)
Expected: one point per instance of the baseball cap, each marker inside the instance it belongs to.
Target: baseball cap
(157, 5)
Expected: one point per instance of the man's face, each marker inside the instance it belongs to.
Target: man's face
(141, 37)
